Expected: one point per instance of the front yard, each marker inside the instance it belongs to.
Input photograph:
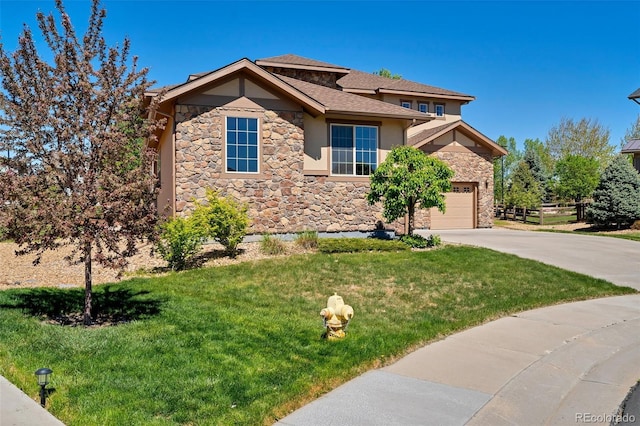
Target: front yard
(240, 344)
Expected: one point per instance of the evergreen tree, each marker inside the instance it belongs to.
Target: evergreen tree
(617, 196)
(503, 167)
(524, 190)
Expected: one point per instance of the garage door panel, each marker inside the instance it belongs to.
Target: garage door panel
(459, 214)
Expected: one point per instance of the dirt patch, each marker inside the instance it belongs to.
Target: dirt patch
(54, 271)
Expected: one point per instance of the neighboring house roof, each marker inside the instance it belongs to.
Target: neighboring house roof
(192, 85)
(295, 61)
(635, 96)
(362, 82)
(631, 147)
(340, 102)
(428, 135)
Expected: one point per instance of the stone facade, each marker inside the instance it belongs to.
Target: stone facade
(321, 78)
(280, 198)
(478, 169)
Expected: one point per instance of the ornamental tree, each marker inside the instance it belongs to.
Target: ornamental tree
(79, 173)
(617, 197)
(524, 190)
(409, 179)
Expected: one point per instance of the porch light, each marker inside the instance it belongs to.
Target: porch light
(43, 380)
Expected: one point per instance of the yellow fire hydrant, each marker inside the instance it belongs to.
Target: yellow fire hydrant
(336, 317)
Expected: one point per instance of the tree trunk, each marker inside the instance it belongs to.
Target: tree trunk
(411, 209)
(87, 319)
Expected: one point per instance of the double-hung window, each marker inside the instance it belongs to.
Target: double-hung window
(242, 145)
(439, 110)
(354, 149)
(423, 107)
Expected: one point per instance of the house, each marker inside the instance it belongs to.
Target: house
(633, 146)
(297, 138)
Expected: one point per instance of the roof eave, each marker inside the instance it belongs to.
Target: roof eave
(496, 150)
(465, 98)
(409, 117)
(302, 67)
(359, 91)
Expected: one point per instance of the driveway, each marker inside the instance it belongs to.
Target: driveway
(612, 259)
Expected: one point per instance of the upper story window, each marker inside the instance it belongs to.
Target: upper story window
(354, 149)
(439, 110)
(242, 145)
(423, 107)
(405, 104)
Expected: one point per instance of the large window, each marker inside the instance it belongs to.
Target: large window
(354, 149)
(242, 145)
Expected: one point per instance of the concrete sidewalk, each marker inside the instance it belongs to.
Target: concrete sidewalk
(17, 409)
(566, 364)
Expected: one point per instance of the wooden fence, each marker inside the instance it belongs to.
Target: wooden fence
(548, 213)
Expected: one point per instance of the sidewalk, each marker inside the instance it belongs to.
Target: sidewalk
(566, 364)
(17, 409)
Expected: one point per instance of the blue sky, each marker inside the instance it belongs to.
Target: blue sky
(528, 64)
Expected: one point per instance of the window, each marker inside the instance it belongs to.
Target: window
(439, 110)
(242, 145)
(423, 107)
(405, 104)
(354, 149)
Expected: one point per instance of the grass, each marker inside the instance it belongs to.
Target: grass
(633, 236)
(241, 344)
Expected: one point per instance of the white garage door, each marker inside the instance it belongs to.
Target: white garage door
(460, 212)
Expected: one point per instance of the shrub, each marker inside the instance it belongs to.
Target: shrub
(180, 240)
(350, 245)
(272, 245)
(418, 241)
(307, 239)
(617, 197)
(223, 219)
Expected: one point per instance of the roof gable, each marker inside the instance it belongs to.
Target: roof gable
(426, 136)
(243, 65)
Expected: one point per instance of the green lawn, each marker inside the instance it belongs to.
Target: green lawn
(633, 236)
(241, 344)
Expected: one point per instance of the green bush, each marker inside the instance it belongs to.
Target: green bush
(180, 240)
(223, 219)
(307, 239)
(418, 241)
(272, 245)
(350, 245)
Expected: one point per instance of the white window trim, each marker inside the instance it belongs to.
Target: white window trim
(426, 104)
(409, 104)
(226, 147)
(436, 110)
(354, 148)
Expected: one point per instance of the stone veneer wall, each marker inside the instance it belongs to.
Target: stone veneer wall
(327, 79)
(471, 167)
(281, 198)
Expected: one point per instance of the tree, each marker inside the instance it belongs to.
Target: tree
(409, 179)
(388, 74)
(503, 166)
(586, 138)
(632, 132)
(524, 190)
(80, 172)
(577, 177)
(617, 196)
(539, 170)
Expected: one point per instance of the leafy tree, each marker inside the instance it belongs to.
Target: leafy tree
(632, 132)
(409, 179)
(536, 166)
(524, 190)
(79, 174)
(577, 177)
(503, 167)
(386, 73)
(587, 138)
(617, 196)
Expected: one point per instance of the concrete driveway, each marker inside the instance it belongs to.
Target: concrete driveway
(613, 259)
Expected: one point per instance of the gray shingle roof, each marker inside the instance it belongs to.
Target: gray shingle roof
(291, 59)
(635, 95)
(631, 146)
(343, 102)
